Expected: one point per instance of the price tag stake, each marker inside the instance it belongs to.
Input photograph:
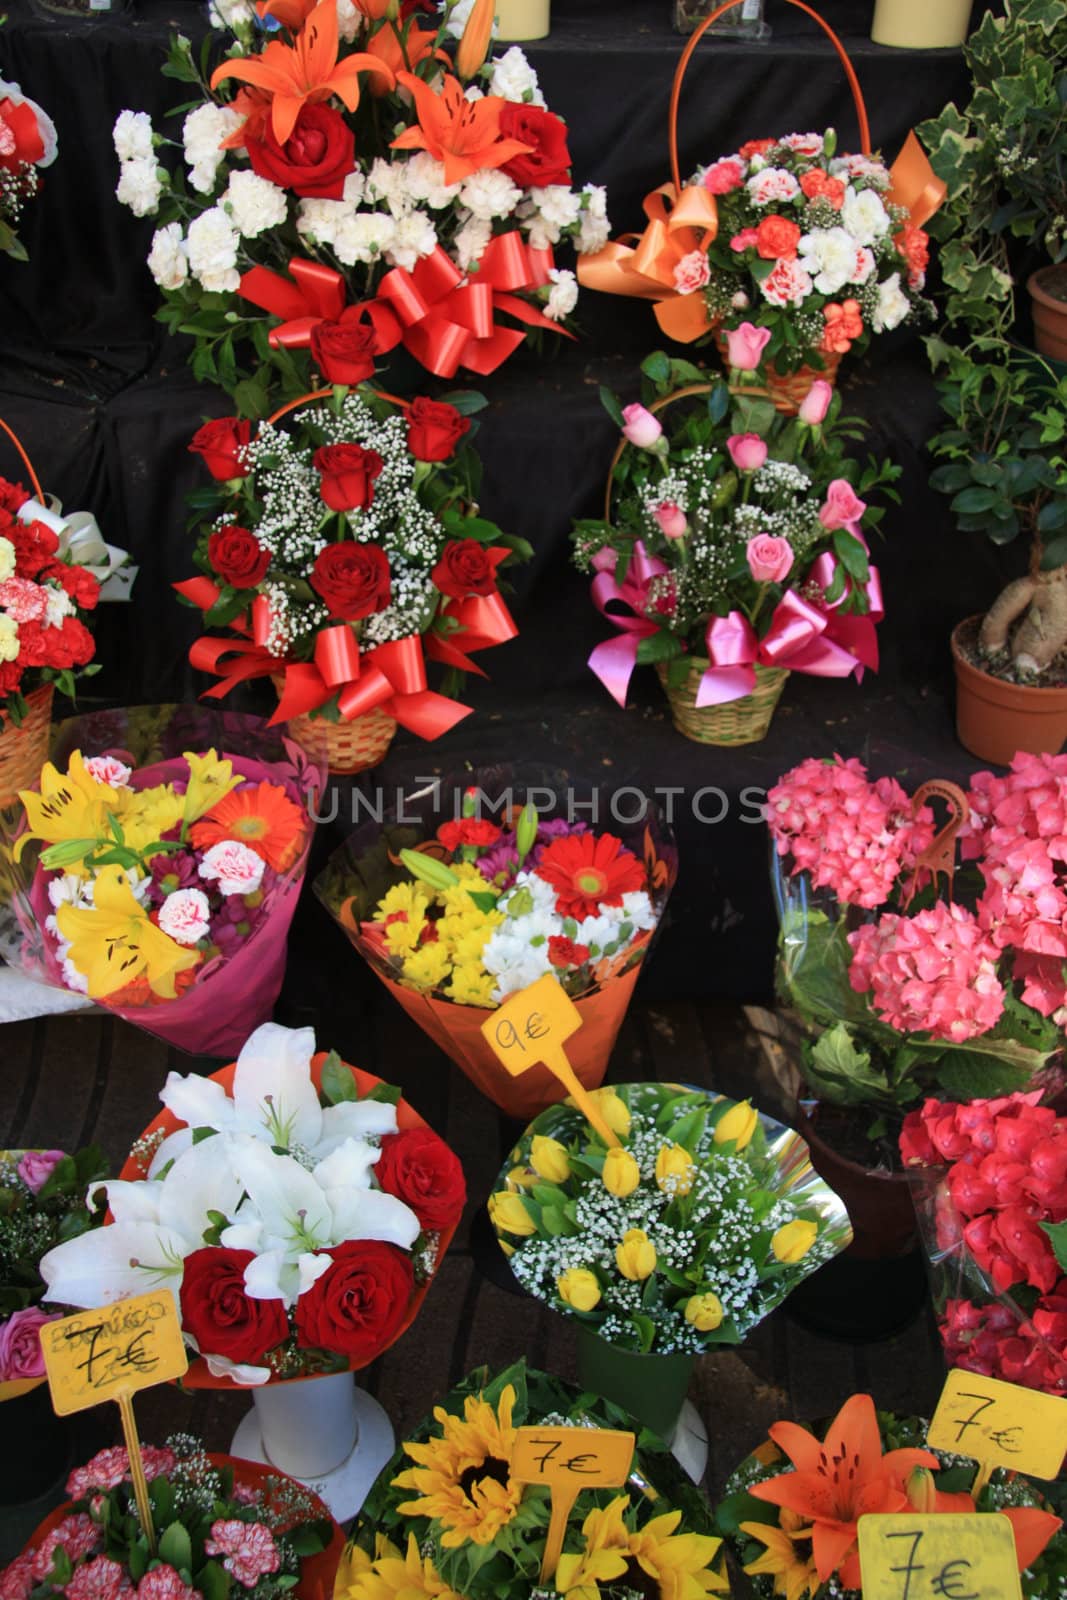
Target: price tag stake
(533, 1025)
(951, 1556)
(569, 1460)
(110, 1354)
(999, 1425)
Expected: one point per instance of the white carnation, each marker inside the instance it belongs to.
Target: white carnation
(167, 261)
(132, 135)
(7, 559)
(593, 225)
(549, 211)
(457, 17)
(490, 193)
(353, 191)
(254, 204)
(637, 908)
(9, 639)
(58, 605)
(829, 255)
(233, 14)
(349, 20)
(470, 242)
(864, 215)
(514, 79)
(893, 305)
(212, 250)
(386, 181)
(425, 182)
(139, 187)
(414, 236)
(363, 237)
(563, 296)
(202, 134)
(320, 219)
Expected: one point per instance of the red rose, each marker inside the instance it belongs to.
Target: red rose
(358, 1305)
(565, 953)
(419, 1168)
(344, 350)
(21, 122)
(218, 442)
(468, 830)
(353, 580)
(79, 583)
(348, 474)
(35, 546)
(464, 567)
(316, 158)
(12, 495)
(219, 1312)
(434, 429)
(548, 160)
(237, 556)
(777, 239)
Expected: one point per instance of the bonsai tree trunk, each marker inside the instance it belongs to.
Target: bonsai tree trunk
(1040, 601)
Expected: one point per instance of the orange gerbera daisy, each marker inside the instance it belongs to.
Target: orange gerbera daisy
(588, 872)
(260, 816)
(463, 134)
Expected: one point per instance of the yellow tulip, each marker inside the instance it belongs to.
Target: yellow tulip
(675, 1170)
(522, 1178)
(738, 1125)
(704, 1311)
(612, 1108)
(549, 1159)
(508, 1215)
(579, 1288)
(792, 1243)
(621, 1173)
(635, 1257)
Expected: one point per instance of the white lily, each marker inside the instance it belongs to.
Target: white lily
(357, 1210)
(275, 1276)
(290, 1205)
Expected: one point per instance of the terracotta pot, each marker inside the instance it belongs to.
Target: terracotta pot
(921, 24)
(519, 20)
(878, 1203)
(994, 718)
(1050, 311)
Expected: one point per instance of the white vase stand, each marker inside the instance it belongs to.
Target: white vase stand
(332, 1437)
(689, 1442)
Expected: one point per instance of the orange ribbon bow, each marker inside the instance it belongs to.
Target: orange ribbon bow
(678, 224)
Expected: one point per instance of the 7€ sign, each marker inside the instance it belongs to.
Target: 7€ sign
(1000, 1425)
(534, 1025)
(569, 1460)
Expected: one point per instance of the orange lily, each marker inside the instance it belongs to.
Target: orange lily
(254, 106)
(292, 14)
(303, 72)
(397, 55)
(474, 44)
(1033, 1528)
(463, 134)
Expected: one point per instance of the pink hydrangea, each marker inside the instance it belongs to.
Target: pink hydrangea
(934, 972)
(110, 1467)
(852, 836)
(248, 1547)
(17, 1580)
(99, 1579)
(165, 1583)
(78, 1535)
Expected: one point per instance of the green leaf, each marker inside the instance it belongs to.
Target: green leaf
(611, 405)
(718, 402)
(466, 401)
(176, 1547)
(338, 1083)
(969, 1075)
(213, 1581)
(837, 1067)
(385, 1094)
(1057, 1232)
(645, 1329)
(852, 555)
(973, 500)
(657, 367)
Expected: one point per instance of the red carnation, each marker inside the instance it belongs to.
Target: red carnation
(359, 1304)
(755, 147)
(12, 495)
(419, 1169)
(565, 953)
(468, 831)
(78, 583)
(777, 239)
(217, 444)
(548, 160)
(221, 1315)
(35, 546)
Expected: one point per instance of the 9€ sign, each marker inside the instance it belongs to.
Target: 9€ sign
(569, 1460)
(533, 1025)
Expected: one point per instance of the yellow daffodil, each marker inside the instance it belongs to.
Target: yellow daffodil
(549, 1159)
(427, 967)
(210, 780)
(635, 1257)
(793, 1572)
(615, 1111)
(738, 1125)
(71, 806)
(579, 1288)
(112, 941)
(391, 1576)
(704, 1311)
(462, 1476)
(508, 1215)
(675, 1170)
(470, 985)
(793, 1241)
(621, 1173)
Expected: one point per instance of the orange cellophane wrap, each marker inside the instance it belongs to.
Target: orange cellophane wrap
(198, 1376)
(17, 1386)
(316, 1572)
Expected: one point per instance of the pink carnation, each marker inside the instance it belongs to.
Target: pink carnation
(108, 1468)
(724, 176)
(248, 1547)
(233, 866)
(788, 285)
(934, 972)
(110, 770)
(17, 1580)
(164, 1583)
(22, 600)
(747, 239)
(692, 272)
(78, 1535)
(99, 1579)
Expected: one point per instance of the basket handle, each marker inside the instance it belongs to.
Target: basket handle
(324, 394)
(26, 462)
(679, 75)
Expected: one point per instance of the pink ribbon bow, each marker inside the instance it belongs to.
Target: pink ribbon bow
(615, 659)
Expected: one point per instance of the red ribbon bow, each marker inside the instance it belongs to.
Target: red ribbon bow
(315, 294)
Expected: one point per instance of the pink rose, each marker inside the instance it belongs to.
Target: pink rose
(769, 559)
(235, 868)
(748, 451)
(816, 403)
(692, 272)
(185, 916)
(724, 176)
(109, 770)
(640, 426)
(671, 519)
(36, 1167)
(843, 507)
(747, 239)
(20, 1344)
(746, 345)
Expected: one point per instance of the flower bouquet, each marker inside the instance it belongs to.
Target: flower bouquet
(366, 182)
(993, 1213)
(28, 143)
(456, 912)
(732, 550)
(343, 554)
(447, 1518)
(164, 892)
(223, 1527)
(683, 1236)
(791, 1509)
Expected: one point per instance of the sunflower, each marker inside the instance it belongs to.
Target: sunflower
(463, 1477)
(588, 872)
(653, 1561)
(390, 1575)
(260, 816)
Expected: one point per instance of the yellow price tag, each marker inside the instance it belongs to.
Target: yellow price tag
(950, 1556)
(533, 1025)
(569, 1460)
(1000, 1425)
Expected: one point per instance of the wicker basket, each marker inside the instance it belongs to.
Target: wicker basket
(788, 390)
(24, 750)
(743, 721)
(345, 747)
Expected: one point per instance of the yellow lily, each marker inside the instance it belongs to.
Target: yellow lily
(210, 780)
(113, 941)
(70, 807)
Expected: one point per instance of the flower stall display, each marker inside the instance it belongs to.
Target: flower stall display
(732, 550)
(352, 180)
(345, 553)
(164, 892)
(224, 1527)
(457, 911)
(790, 1510)
(297, 1208)
(447, 1517)
(28, 144)
(994, 1216)
(682, 1236)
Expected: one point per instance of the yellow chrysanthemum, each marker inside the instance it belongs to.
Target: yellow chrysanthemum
(210, 780)
(390, 1576)
(112, 941)
(679, 1565)
(70, 806)
(427, 967)
(793, 1572)
(150, 814)
(462, 1477)
(471, 985)
(409, 898)
(468, 948)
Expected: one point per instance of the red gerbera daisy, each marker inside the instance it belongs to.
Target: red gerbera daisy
(588, 872)
(260, 816)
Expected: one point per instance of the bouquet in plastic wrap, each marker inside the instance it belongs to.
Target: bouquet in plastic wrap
(991, 1196)
(455, 911)
(164, 890)
(28, 143)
